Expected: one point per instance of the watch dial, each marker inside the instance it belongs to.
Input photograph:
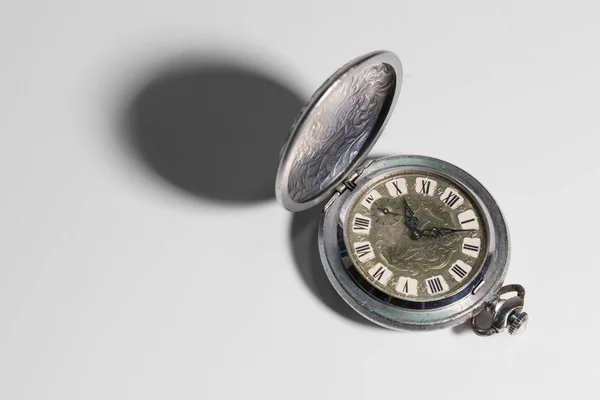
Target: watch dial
(415, 236)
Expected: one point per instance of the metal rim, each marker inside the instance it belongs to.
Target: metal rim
(394, 317)
(290, 149)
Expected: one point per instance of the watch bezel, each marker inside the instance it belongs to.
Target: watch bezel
(398, 314)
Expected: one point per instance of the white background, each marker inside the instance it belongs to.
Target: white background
(145, 257)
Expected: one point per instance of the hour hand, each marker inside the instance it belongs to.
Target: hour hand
(409, 217)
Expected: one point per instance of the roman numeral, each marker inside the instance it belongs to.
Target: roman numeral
(397, 187)
(460, 270)
(436, 285)
(470, 247)
(468, 220)
(425, 186)
(361, 224)
(452, 198)
(364, 252)
(371, 198)
(461, 273)
(381, 273)
(407, 286)
(398, 190)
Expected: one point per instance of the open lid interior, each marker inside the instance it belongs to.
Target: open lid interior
(337, 128)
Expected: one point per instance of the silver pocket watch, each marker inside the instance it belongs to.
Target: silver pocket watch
(409, 242)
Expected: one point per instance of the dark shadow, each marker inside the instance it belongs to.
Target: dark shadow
(213, 128)
(304, 236)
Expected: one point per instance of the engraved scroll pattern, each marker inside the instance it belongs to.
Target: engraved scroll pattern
(421, 256)
(338, 129)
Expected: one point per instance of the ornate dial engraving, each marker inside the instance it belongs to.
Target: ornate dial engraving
(426, 238)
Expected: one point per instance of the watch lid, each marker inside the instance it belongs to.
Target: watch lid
(337, 128)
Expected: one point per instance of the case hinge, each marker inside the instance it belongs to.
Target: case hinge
(348, 184)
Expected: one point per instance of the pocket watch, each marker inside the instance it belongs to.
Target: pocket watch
(408, 241)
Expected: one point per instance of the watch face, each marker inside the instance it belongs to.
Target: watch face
(415, 236)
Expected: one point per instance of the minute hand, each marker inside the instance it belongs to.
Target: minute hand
(437, 232)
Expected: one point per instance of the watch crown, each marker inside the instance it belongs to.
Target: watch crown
(517, 322)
